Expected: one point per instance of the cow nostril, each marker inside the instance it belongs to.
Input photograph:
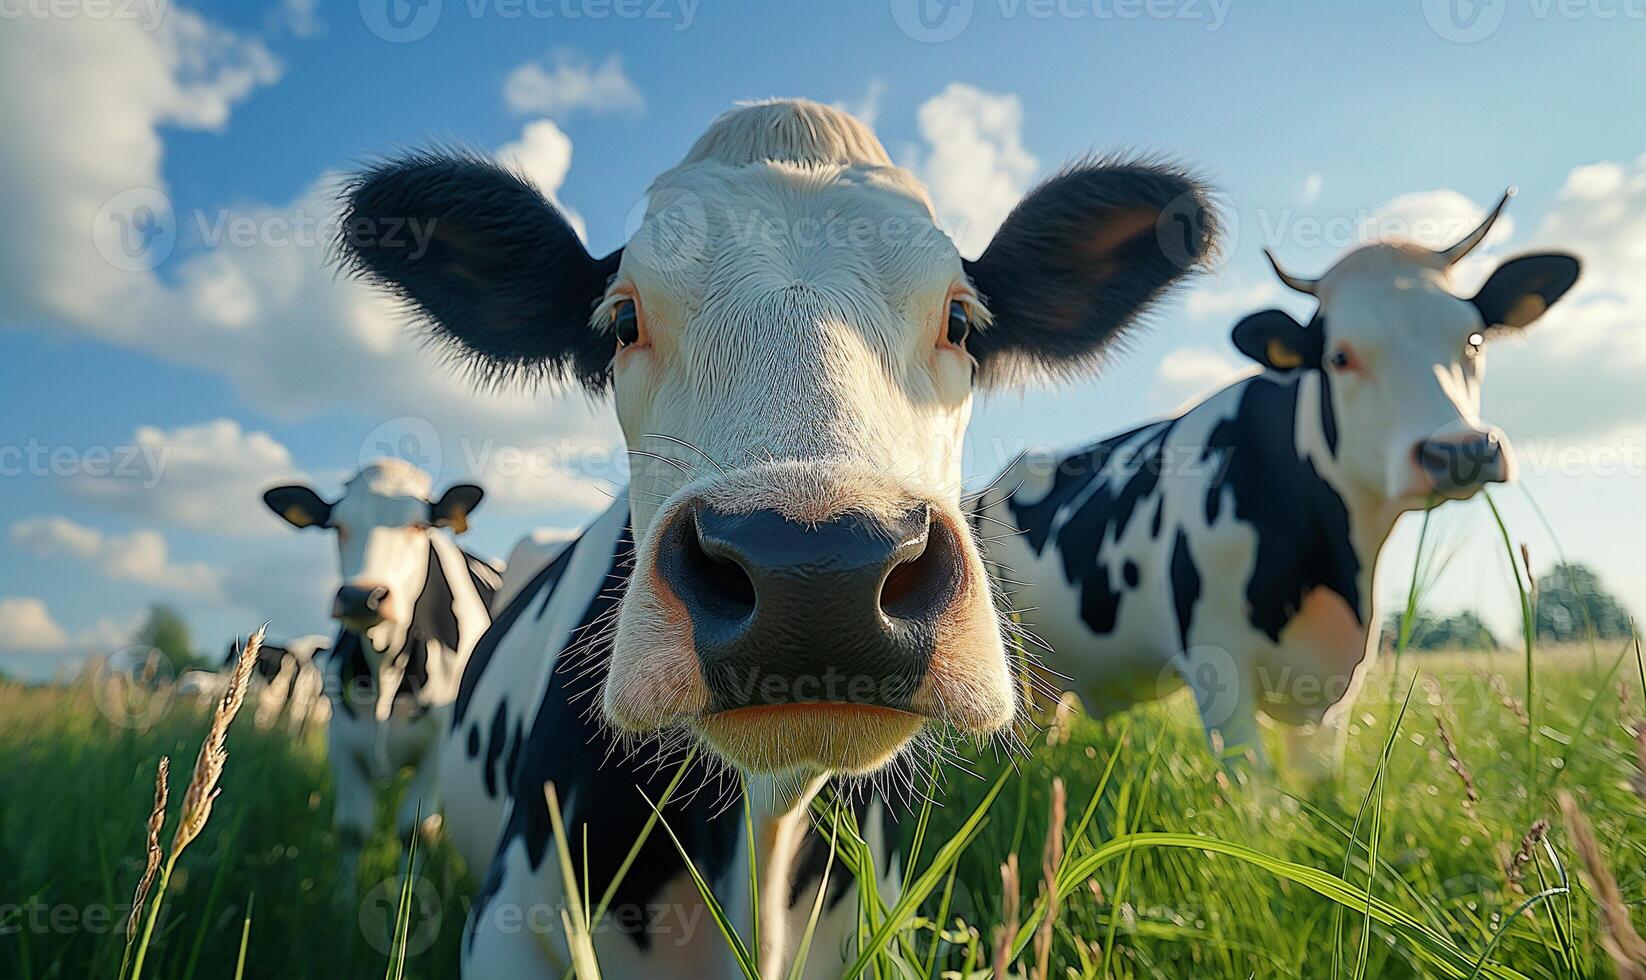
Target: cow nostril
(713, 578)
(923, 583)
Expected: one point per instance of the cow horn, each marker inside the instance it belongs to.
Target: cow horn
(1451, 256)
(1308, 286)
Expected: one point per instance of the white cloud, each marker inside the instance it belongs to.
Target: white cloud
(300, 17)
(140, 556)
(81, 101)
(206, 477)
(543, 154)
(867, 106)
(974, 164)
(29, 627)
(1199, 368)
(1225, 302)
(571, 83)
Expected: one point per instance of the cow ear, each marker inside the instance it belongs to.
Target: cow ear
(453, 507)
(300, 506)
(1079, 259)
(1523, 288)
(487, 264)
(1275, 340)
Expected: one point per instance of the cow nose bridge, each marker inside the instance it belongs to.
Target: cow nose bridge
(1460, 463)
(846, 610)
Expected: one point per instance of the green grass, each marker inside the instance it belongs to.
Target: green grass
(1170, 869)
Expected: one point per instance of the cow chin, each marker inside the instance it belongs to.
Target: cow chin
(826, 736)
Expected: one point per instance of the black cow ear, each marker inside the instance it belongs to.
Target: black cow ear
(1079, 259)
(453, 507)
(486, 263)
(1275, 340)
(300, 506)
(1523, 288)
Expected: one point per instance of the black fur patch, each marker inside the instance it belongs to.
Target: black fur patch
(1139, 461)
(1302, 523)
(499, 274)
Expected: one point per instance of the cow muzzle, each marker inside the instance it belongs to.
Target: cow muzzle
(1457, 467)
(825, 644)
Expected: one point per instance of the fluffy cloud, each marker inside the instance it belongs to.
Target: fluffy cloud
(140, 556)
(1225, 302)
(867, 106)
(1198, 368)
(90, 133)
(246, 294)
(974, 164)
(29, 627)
(207, 477)
(543, 154)
(571, 83)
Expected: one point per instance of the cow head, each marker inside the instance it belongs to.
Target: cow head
(1401, 357)
(793, 345)
(382, 524)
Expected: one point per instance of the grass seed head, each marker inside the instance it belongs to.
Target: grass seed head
(208, 765)
(1617, 937)
(157, 819)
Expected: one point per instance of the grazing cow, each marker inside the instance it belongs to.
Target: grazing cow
(791, 583)
(1232, 547)
(410, 608)
(288, 681)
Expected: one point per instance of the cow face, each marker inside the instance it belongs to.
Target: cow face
(1401, 357)
(793, 346)
(382, 524)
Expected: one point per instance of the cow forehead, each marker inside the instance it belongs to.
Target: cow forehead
(716, 233)
(365, 506)
(1393, 294)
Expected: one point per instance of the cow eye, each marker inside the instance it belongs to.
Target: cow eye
(1342, 359)
(960, 323)
(626, 322)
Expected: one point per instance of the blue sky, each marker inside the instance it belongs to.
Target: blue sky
(243, 362)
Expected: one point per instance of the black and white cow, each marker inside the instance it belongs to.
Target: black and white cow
(791, 583)
(288, 681)
(410, 608)
(1233, 547)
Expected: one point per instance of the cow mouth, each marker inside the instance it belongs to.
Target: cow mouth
(837, 736)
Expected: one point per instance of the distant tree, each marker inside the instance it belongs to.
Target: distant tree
(1460, 631)
(167, 631)
(1569, 599)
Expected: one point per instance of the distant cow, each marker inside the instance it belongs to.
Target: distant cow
(288, 682)
(791, 582)
(410, 608)
(1232, 547)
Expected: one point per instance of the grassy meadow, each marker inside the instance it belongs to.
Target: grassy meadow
(1416, 862)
